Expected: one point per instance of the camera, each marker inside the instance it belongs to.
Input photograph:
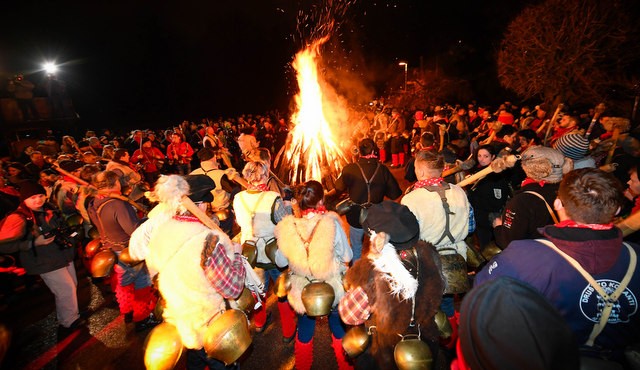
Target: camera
(65, 237)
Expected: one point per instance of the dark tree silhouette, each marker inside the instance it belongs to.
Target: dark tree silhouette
(572, 51)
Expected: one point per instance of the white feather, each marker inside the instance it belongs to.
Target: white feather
(400, 280)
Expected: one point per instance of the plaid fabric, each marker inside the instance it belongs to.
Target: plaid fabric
(472, 220)
(354, 307)
(226, 276)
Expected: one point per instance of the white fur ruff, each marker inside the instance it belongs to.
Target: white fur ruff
(393, 272)
(170, 190)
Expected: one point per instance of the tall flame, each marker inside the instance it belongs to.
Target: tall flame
(313, 152)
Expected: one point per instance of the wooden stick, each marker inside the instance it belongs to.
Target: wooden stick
(614, 138)
(193, 208)
(630, 224)
(498, 165)
(553, 120)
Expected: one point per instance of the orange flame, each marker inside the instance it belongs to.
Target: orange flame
(313, 151)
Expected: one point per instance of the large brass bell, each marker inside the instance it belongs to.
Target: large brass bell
(443, 324)
(102, 263)
(228, 337)
(75, 220)
(92, 248)
(283, 285)
(93, 233)
(270, 249)
(454, 269)
(413, 354)
(246, 301)
(490, 250)
(355, 341)
(158, 310)
(250, 251)
(317, 298)
(125, 257)
(162, 348)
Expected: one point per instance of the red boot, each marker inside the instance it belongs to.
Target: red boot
(394, 160)
(341, 356)
(288, 321)
(141, 306)
(304, 355)
(260, 319)
(383, 155)
(454, 321)
(401, 159)
(125, 298)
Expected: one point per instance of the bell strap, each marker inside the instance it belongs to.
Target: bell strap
(255, 208)
(307, 241)
(609, 299)
(551, 212)
(368, 181)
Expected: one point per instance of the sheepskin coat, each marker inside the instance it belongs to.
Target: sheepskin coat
(258, 228)
(391, 316)
(191, 301)
(326, 257)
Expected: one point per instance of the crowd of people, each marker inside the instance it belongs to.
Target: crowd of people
(508, 207)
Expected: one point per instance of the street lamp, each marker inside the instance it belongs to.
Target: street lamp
(50, 68)
(406, 66)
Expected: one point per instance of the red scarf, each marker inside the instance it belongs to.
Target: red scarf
(428, 182)
(529, 180)
(319, 211)
(572, 223)
(186, 218)
(259, 187)
(369, 156)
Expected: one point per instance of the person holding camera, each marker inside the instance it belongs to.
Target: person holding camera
(37, 231)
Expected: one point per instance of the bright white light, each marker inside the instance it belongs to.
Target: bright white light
(50, 67)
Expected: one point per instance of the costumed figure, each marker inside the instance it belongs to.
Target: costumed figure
(258, 210)
(317, 251)
(199, 267)
(396, 289)
(116, 220)
(445, 218)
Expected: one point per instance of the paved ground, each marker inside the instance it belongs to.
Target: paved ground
(109, 343)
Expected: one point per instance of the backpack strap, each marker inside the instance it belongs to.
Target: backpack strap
(551, 212)
(609, 299)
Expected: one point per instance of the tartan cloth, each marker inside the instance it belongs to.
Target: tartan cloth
(354, 307)
(225, 275)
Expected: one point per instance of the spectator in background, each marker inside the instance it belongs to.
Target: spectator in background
(22, 91)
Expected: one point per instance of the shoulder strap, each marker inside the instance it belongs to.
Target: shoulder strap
(252, 213)
(447, 210)
(551, 212)
(368, 181)
(609, 299)
(307, 241)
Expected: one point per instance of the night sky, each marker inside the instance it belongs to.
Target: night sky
(158, 62)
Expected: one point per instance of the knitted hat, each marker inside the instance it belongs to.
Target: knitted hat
(506, 324)
(572, 145)
(394, 219)
(544, 163)
(200, 187)
(30, 188)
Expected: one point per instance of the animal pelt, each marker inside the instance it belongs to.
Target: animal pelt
(319, 262)
(390, 315)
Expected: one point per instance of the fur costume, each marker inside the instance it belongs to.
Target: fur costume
(260, 229)
(390, 314)
(328, 252)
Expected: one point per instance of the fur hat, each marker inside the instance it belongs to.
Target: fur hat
(70, 165)
(543, 163)
(30, 188)
(394, 219)
(200, 187)
(506, 324)
(572, 145)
